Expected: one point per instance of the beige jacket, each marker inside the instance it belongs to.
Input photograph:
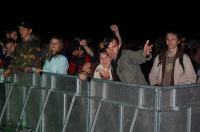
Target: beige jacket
(180, 77)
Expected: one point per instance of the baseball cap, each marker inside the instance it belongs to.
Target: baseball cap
(25, 24)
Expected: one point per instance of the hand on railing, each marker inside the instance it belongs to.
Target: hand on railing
(27, 69)
(38, 71)
(114, 28)
(7, 72)
(83, 75)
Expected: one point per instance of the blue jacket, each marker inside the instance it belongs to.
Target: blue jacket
(58, 64)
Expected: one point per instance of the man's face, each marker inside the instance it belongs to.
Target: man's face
(24, 32)
(113, 49)
(172, 40)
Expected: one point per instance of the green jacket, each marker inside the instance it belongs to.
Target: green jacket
(28, 54)
(128, 68)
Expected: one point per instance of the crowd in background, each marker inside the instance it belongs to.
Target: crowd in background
(168, 60)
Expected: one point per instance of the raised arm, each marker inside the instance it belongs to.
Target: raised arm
(147, 49)
(89, 51)
(115, 29)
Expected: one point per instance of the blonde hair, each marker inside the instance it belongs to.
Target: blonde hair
(59, 39)
(60, 42)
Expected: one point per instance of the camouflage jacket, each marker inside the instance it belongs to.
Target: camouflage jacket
(28, 54)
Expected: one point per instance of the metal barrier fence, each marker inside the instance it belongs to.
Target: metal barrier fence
(61, 103)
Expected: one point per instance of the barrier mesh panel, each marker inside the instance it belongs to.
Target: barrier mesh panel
(98, 105)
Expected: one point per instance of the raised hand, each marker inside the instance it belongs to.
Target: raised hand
(83, 42)
(89, 51)
(114, 28)
(87, 67)
(147, 49)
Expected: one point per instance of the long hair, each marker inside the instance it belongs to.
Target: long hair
(60, 42)
(179, 54)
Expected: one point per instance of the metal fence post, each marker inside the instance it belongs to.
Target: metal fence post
(95, 117)
(189, 121)
(157, 115)
(23, 108)
(53, 85)
(121, 118)
(6, 103)
(71, 105)
(134, 119)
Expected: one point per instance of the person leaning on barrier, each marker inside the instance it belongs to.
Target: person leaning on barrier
(79, 56)
(126, 63)
(7, 51)
(102, 71)
(55, 61)
(172, 66)
(27, 52)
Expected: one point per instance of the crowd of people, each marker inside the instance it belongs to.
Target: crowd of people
(177, 62)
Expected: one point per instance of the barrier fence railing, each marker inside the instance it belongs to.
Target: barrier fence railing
(63, 103)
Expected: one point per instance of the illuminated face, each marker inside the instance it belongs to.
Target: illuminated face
(172, 40)
(113, 49)
(24, 32)
(10, 47)
(55, 45)
(105, 60)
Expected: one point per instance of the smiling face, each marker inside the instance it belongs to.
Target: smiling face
(10, 47)
(113, 49)
(105, 60)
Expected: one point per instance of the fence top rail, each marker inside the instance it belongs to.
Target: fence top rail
(184, 86)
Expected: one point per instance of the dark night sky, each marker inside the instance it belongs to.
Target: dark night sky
(135, 22)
